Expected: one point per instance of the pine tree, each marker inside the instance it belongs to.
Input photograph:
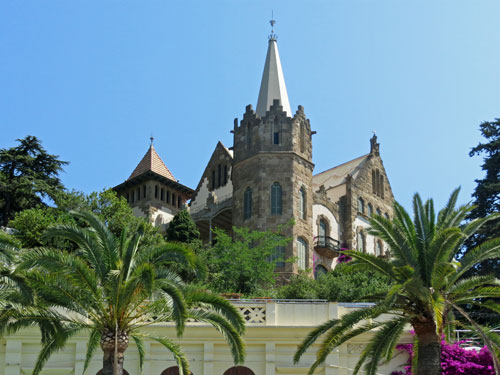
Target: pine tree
(183, 229)
(28, 175)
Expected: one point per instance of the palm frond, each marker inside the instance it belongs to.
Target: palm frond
(140, 349)
(174, 348)
(92, 345)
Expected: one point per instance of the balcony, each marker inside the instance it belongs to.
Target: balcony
(327, 246)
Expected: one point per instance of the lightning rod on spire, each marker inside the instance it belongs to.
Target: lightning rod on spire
(272, 36)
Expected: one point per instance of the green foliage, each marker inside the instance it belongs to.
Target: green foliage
(339, 285)
(182, 228)
(28, 175)
(428, 287)
(114, 211)
(9, 239)
(244, 263)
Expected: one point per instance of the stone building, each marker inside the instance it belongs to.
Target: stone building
(267, 178)
(152, 191)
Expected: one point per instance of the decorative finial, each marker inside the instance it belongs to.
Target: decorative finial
(151, 139)
(272, 36)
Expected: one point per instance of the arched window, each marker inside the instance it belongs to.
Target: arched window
(302, 203)
(213, 179)
(369, 209)
(156, 191)
(173, 371)
(301, 253)
(379, 249)
(276, 131)
(322, 232)
(360, 242)
(379, 213)
(320, 270)
(162, 194)
(225, 175)
(239, 370)
(278, 256)
(247, 204)
(219, 175)
(386, 215)
(361, 205)
(276, 199)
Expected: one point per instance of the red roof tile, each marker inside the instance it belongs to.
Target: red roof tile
(152, 162)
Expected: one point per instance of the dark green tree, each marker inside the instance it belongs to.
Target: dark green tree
(28, 175)
(487, 193)
(183, 229)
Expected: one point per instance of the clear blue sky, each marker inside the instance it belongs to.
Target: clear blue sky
(94, 79)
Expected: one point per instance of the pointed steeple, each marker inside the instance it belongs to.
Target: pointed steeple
(273, 82)
(151, 162)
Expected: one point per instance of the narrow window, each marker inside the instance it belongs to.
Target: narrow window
(319, 271)
(168, 196)
(377, 181)
(381, 186)
(379, 213)
(219, 175)
(374, 181)
(225, 175)
(276, 131)
(179, 202)
(360, 242)
(156, 191)
(213, 179)
(276, 199)
(302, 203)
(144, 191)
(379, 249)
(386, 216)
(278, 254)
(247, 204)
(361, 205)
(162, 194)
(301, 253)
(369, 209)
(322, 232)
(173, 199)
(127, 196)
(138, 193)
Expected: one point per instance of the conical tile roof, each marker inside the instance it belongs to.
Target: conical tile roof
(151, 162)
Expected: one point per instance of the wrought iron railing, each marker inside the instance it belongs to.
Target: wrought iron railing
(327, 242)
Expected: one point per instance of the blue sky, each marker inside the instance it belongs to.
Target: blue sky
(94, 79)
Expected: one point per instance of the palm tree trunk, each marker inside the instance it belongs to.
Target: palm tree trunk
(108, 362)
(429, 349)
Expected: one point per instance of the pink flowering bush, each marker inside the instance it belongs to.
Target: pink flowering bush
(455, 360)
(342, 257)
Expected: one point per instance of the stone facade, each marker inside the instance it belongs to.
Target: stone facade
(275, 149)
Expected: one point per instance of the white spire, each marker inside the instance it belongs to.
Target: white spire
(273, 82)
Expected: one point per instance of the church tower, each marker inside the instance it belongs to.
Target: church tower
(272, 167)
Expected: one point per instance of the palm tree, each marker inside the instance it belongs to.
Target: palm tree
(112, 288)
(429, 288)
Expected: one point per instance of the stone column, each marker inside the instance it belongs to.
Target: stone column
(208, 359)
